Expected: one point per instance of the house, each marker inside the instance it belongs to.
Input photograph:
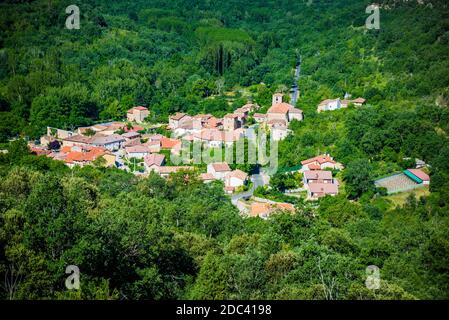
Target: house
(153, 162)
(278, 111)
(153, 146)
(260, 117)
(419, 176)
(165, 171)
(77, 140)
(200, 120)
(218, 170)
(177, 120)
(138, 151)
(59, 133)
(112, 142)
(213, 123)
(358, 102)
(130, 135)
(320, 162)
(332, 104)
(295, 114)
(169, 143)
(137, 114)
(38, 151)
(235, 179)
(335, 104)
(231, 122)
(317, 176)
(45, 140)
(279, 131)
(207, 177)
(318, 190)
(81, 156)
(153, 137)
(283, 111)
(265, 209)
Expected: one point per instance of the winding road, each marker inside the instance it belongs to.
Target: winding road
(257, 180)
(295, 89)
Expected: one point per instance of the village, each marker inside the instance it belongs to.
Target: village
(132, 147)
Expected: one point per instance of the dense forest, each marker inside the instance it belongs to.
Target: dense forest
(153, 238)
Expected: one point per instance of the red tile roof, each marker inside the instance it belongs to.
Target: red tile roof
(167, 143)
(154, 159)
(323, 188)
(221, 166)
(177, 116)
(282, 107)
(140, 108)
(239, 174)
(320, 159)
(318, 175)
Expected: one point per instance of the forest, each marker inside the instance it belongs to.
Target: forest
(153, 238)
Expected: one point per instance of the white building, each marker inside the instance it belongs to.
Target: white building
(218, 170)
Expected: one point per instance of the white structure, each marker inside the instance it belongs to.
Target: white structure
(235, 179)
(218, 170)
(112, 142)
(138, 151)
(137, 114)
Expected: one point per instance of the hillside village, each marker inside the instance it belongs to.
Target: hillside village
(132, 147)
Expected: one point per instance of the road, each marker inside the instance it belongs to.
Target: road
(295, 89)
(257, 180)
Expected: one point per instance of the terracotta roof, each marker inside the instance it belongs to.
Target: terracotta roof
(231, 116)
(420, 174)
(277, 122)
(78, 138)
(265, 209)
(134, 128)
(239, 174)
(178, 116)
(221, 166)
(137, 149)
(202, 116)
(154, 159)
(320, 159)
(39, 151)
(282, 107)
(77, 156)
(172, 169)
(154, 137)
(103, 140)
(66, 149)
(206, 176)
(140, 108)
(260, 115)
(358, 100)
(167, 143)
(295, 110)
(314, 167)
(131, 135)
(318, 175)
(323, 188)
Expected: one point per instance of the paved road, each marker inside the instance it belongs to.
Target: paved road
(257, 180)
(295, 89)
